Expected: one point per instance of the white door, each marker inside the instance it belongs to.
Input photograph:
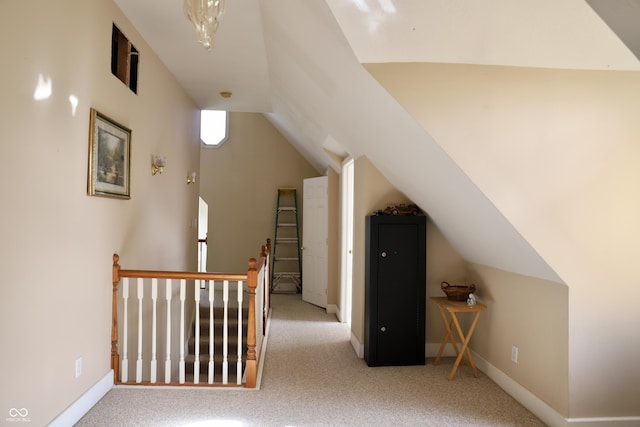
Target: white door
(347, 241)
(315, 226)
(203, 230)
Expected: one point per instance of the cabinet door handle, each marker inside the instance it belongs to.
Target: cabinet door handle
(383, 329)
(384, 254)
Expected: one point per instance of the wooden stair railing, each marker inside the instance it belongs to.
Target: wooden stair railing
(256, 279)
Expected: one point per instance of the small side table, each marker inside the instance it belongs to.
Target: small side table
(453, 308)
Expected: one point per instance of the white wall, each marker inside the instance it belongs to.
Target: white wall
(57, 242)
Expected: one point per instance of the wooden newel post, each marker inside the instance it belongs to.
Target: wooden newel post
(115, 357)
(252, 282)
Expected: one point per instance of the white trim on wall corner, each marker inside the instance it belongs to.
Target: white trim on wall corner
(359, 348)
(530, 401)
(333, 309)
(527, 399)
(604, 422)
(80, 407)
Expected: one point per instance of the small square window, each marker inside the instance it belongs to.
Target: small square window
(213, 127)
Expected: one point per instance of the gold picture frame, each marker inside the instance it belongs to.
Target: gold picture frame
(109, 157)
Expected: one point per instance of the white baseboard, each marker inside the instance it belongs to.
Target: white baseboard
(431, 349)
(333, 309)
(540, 409)
(359, 348)
(80, 407)
(604, 422)
(527, 399)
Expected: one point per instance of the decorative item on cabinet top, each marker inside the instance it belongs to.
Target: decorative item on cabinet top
(457, 292)
(399, 209)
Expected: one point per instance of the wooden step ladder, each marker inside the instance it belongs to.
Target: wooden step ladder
(286, 271)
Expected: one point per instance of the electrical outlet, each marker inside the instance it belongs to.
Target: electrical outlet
(514, 354)
(78, 367)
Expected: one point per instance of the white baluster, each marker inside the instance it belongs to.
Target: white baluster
(154, 299)
(211, 331)
(167, 362)
(139, 361)
(225, 332)
(183, 286)
(239, 360)
(196, 363)
(124, 369)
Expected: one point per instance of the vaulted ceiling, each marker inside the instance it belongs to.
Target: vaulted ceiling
(300, 64)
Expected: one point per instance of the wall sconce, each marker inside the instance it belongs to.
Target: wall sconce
(191, 178)
(157, 164)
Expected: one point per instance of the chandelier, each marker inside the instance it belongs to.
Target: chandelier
(205, 15)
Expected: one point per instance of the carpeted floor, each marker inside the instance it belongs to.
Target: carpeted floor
(312, 377)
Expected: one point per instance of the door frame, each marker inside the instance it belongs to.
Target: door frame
(203, 232)
(346, 244)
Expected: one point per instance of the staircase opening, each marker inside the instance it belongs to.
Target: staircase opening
(224, 352)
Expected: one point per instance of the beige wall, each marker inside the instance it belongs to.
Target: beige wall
(523, 311)
(556, 151)
(443, 264)
(239, 181)
(371, 191)
(57, 242)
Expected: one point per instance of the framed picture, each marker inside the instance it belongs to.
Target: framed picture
(109, 157)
